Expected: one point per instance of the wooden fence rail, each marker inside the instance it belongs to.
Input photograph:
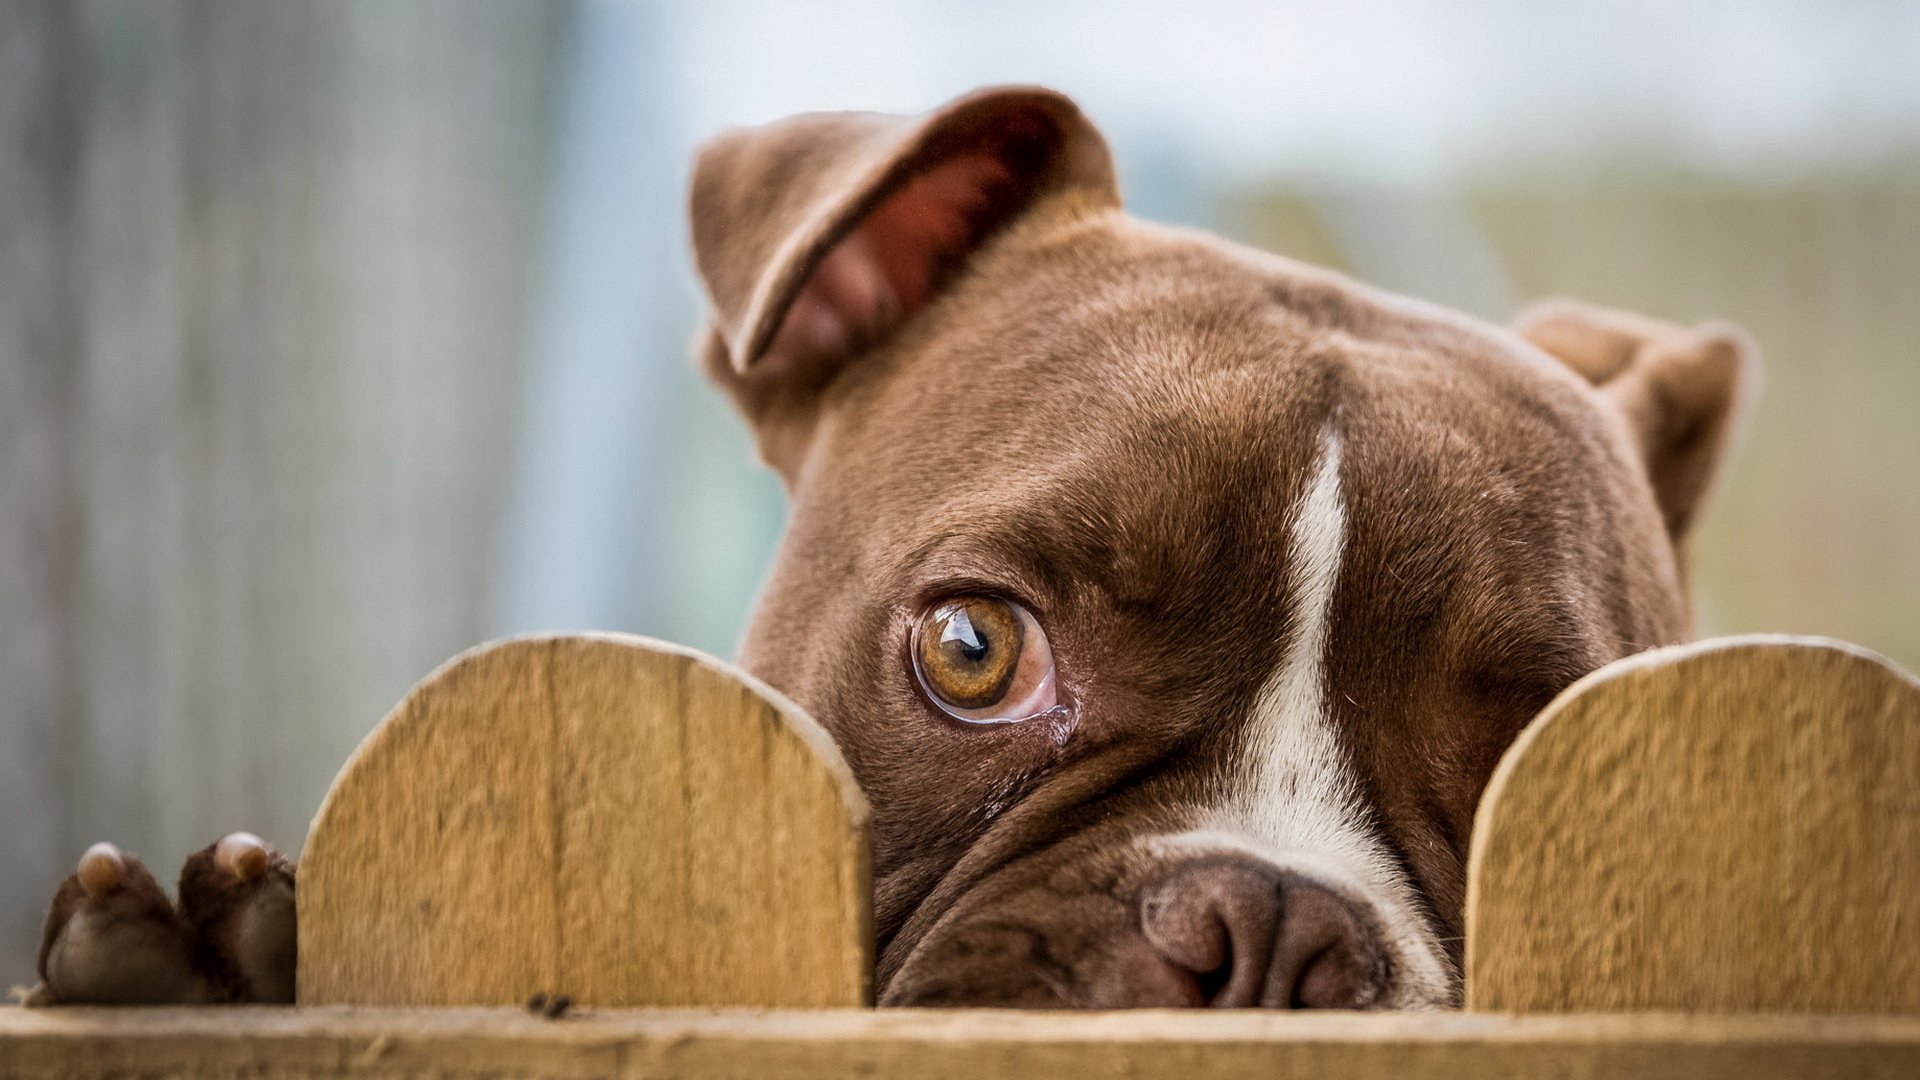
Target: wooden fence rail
(329, 1042)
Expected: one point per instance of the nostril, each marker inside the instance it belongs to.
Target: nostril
(1327, 957)
(1192, 938)
(1213, 984)
(1216, 919)
(1186, 928)
(1248, 934)
(1336, 978)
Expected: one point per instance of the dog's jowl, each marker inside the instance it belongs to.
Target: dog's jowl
(1172, 602)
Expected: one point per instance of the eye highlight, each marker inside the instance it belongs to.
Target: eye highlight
(984, 660)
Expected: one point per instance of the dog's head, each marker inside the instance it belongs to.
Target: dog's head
(1171, 601)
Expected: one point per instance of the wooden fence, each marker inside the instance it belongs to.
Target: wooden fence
(271, 276)
(1699, 861)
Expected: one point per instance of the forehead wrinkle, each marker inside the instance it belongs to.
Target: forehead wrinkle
(1165, 493)
(1093, 523)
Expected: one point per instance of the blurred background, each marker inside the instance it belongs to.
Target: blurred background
(336, 337)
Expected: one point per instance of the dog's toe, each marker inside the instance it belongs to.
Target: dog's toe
(237, 897)
(112, 938)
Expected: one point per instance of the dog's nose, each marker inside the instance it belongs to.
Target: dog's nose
(1253, 935)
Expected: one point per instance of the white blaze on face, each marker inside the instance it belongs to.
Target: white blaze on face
(1298, 791)
(1295, 802)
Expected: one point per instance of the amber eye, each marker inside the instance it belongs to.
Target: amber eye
(984, 659)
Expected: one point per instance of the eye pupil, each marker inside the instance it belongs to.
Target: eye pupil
(969, 651)
(960, 633)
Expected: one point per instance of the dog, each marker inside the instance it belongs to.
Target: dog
(1172, 602)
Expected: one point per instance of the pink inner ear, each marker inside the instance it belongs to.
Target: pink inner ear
(886, 268)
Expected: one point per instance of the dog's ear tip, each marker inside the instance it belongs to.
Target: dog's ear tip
(744, 356)
(1002, 95)
(1713, 376)
(1713, 364)
(1731, 346)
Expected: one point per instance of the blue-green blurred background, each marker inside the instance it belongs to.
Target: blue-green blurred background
(339, 335)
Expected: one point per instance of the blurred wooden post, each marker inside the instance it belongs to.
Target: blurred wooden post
(297, 239)
(1726, 826)
(606, 817)
(40, 703)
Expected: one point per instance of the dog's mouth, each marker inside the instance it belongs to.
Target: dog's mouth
(1172, 921)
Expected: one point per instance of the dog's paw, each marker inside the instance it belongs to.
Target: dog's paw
(236, 897)
(113, 938)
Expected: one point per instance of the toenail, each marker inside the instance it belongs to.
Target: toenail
(241, 854)
(102, 869)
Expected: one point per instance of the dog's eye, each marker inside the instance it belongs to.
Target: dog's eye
(984, 660)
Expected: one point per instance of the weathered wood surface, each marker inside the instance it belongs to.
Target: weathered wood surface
(1731, 825)
(606, 817)
(909, 1044)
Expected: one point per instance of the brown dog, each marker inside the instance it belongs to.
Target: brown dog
(1171, 601)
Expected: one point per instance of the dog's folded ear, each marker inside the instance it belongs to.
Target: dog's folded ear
(1679, 388)
(819, 235)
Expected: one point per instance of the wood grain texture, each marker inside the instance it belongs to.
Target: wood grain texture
(922, 1044)
(1726, 826)
(606, 817)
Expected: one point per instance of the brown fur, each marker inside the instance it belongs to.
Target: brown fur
(1109, 421)
(194, 954)
(215, 904)
(138, 899)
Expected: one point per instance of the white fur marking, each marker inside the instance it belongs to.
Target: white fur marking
(1298, 792)
(1296, 802)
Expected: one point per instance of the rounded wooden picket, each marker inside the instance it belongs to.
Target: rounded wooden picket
(1732, 825)
(605, 817)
